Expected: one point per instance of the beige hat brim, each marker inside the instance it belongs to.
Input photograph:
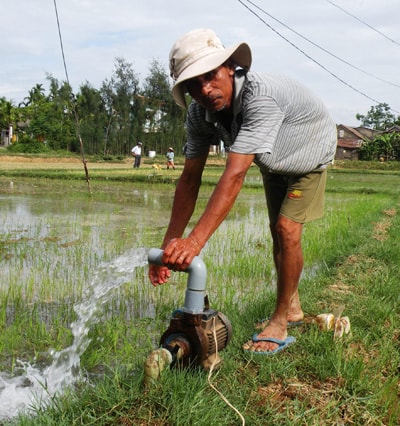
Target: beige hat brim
(240, 54)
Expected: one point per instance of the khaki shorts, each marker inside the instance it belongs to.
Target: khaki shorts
(299, 198)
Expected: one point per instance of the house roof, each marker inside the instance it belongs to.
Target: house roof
(356, 132)
(368, 133)
(393, 129)
(350, 143)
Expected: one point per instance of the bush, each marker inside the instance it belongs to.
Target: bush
(28, 145)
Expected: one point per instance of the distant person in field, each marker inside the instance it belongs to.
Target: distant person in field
(170, 158)
(137, 154)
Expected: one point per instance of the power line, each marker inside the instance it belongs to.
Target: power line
(307, 55)
(325, 50)
(363, 22)
(61, 42)
(84, 161)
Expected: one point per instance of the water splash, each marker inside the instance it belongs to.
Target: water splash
(18, 394)
(34, 387)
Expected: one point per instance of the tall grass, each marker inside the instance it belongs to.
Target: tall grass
(351, 259)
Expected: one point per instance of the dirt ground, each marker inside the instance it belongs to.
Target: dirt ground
(12, 162)
(20, 159)
(8, 162)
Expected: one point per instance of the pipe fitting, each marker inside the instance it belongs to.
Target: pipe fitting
(155, 363)
(196, 283)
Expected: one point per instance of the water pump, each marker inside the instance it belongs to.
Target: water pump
(196, 333)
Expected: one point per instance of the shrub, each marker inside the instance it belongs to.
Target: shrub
(27, 144)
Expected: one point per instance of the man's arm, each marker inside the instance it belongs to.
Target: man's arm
(179, 253)
(185, 197)
(183, 206)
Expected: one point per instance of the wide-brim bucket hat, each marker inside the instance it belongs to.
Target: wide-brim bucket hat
(198, 52)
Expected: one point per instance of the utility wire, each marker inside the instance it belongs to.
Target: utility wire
(308, 56)
(363, 22)
(325, 50)
(61, 42)
(84, 161)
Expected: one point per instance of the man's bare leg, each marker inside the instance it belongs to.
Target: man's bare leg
(288, 258)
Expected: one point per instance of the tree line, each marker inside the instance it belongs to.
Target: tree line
(385, 146)
(109, 120)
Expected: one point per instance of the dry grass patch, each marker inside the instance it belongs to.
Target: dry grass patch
(381, 228)
(317, 395)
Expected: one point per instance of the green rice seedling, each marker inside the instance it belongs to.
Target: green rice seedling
(318, 380)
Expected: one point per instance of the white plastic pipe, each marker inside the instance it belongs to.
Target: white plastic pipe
(196, 284)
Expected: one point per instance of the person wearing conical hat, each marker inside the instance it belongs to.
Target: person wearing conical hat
(170, 158)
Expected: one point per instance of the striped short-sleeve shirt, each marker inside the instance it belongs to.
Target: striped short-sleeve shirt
(280, 121)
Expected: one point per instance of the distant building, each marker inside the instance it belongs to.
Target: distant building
(393, 129)
(350, 140)
(7, 136)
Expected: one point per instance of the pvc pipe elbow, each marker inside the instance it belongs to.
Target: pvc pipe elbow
(196, 283)
(197, 270)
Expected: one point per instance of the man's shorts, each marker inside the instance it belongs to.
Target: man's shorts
(299, 198)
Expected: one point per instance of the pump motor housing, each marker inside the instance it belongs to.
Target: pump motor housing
(196, 333)
(196, 339)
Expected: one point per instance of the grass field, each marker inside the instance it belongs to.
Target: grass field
(351, 261)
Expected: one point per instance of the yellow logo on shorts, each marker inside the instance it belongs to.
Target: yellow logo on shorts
(296, 193)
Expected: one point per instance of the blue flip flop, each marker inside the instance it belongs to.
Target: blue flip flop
(282, 344)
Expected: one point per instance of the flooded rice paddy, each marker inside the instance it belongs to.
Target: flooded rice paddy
(56, 238)
(52, 237)
(70, 259)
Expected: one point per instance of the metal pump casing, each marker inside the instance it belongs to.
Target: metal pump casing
(196, 333)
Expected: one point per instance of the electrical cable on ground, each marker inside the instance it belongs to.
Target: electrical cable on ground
(84, 161)
(310, 57)
(223, 397)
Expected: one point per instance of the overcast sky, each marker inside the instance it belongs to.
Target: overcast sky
(95, 32)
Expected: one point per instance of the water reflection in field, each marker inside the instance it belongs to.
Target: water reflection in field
(52, 239)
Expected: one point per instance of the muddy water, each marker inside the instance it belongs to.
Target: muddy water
(53, 234)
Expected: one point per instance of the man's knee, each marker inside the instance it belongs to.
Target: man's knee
(287, 231)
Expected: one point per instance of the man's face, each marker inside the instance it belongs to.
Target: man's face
(213, 90)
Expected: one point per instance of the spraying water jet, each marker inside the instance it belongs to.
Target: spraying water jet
(196, 332)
